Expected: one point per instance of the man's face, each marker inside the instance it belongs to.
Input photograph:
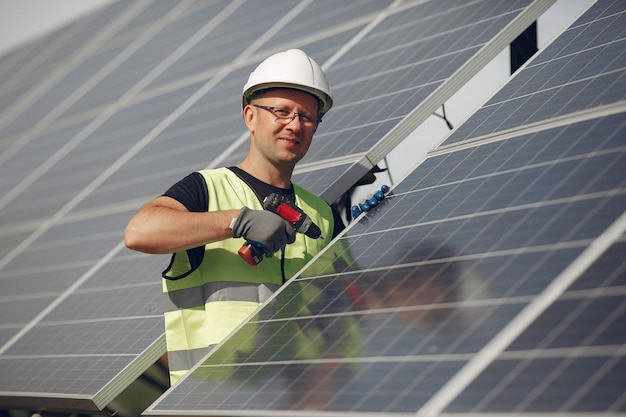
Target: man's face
(280, 143)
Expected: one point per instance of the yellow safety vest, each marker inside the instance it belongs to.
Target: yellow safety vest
(205, 304)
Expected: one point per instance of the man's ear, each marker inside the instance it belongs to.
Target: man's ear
(249, 117)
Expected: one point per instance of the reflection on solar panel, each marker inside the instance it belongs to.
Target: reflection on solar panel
(491, 280)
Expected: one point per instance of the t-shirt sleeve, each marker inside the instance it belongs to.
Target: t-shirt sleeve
(191, 192)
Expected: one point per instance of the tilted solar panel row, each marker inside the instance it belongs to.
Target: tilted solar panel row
(489, 281)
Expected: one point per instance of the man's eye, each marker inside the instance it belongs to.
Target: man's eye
(305, 118)
(282, 113)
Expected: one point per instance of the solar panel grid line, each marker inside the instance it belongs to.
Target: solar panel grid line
(609, 109)
(493, 253)
(52, 323)
(519, 414)
(86, 50)
(392, 358)
(155, 11)
(61, 263)
(369, 21)
(96, 78)
(94, 213)
(11, 59)
(176, 33)
(489, 353)
(73, 355)
(562, 365)
(20, 227)
(565, 352)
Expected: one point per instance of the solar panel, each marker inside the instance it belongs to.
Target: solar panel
(92, 110)
(488, 282)
(109, 111)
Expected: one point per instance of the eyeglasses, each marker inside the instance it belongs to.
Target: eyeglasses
(284, 117)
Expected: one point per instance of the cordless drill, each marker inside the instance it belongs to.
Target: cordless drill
(253, 254)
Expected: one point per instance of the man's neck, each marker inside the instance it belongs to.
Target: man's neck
(269, 174)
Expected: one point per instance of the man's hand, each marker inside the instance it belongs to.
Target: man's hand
(264, 228)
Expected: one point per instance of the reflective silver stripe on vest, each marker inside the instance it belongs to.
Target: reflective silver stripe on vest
(183, 360)
(218, 291)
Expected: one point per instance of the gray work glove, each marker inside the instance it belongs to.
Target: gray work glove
(264, 228)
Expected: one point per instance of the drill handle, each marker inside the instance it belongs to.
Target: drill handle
(251, 253)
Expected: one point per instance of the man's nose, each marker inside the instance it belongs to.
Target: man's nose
(295, 122)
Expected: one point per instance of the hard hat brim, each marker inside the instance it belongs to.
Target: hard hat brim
(325, 101)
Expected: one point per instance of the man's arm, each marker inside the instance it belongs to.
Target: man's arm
(164, 225)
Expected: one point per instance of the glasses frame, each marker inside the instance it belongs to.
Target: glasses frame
(305, 119)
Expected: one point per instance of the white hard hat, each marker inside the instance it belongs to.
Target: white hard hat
(290, 69)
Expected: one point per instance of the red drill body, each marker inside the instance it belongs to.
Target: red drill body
(302, 223)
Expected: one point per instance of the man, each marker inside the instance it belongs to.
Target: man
(206, 217)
